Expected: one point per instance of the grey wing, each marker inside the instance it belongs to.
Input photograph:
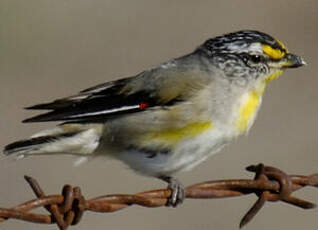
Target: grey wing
(161, 86)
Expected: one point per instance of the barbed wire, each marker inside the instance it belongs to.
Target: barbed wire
(269, 184)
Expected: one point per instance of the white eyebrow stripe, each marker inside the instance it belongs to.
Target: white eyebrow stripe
(105, 111)
(254, 47)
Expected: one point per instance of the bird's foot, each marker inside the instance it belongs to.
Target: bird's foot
(178, 191)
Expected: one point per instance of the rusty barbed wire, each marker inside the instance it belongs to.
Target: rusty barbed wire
(269, 184)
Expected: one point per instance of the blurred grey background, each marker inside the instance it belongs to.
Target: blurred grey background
(54, 48)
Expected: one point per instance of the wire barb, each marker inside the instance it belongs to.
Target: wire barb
(269, 184)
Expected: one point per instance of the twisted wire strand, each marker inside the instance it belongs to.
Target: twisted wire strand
(269, 184)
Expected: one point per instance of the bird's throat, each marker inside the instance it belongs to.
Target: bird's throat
(251, 103)
(248, 109)
(273, 76)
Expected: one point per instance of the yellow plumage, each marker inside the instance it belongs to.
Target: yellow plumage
(273, 53)
(177, 134)
(248, 109)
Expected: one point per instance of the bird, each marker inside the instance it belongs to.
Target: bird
(171, 117)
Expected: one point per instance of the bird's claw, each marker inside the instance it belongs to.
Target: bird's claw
(178, 191)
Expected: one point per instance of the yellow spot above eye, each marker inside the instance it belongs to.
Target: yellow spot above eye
(248, 109)
(273, 53)
(178, 134)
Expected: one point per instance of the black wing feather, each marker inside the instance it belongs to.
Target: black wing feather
(105, 89)
(92, 109)
(97, 104)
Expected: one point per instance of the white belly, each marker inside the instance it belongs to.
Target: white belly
(191, 150)
(187, 154)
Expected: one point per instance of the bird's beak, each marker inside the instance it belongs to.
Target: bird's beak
(292, 61)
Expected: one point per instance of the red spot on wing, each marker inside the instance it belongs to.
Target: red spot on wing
(143, 105)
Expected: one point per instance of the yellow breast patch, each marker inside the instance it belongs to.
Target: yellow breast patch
(178, 134)
(252, 102)
(248, 109)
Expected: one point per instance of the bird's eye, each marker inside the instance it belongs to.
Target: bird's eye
(256, 58)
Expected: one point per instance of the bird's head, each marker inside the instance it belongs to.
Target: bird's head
(250, 56)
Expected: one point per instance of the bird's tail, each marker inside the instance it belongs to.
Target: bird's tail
(69, 139)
